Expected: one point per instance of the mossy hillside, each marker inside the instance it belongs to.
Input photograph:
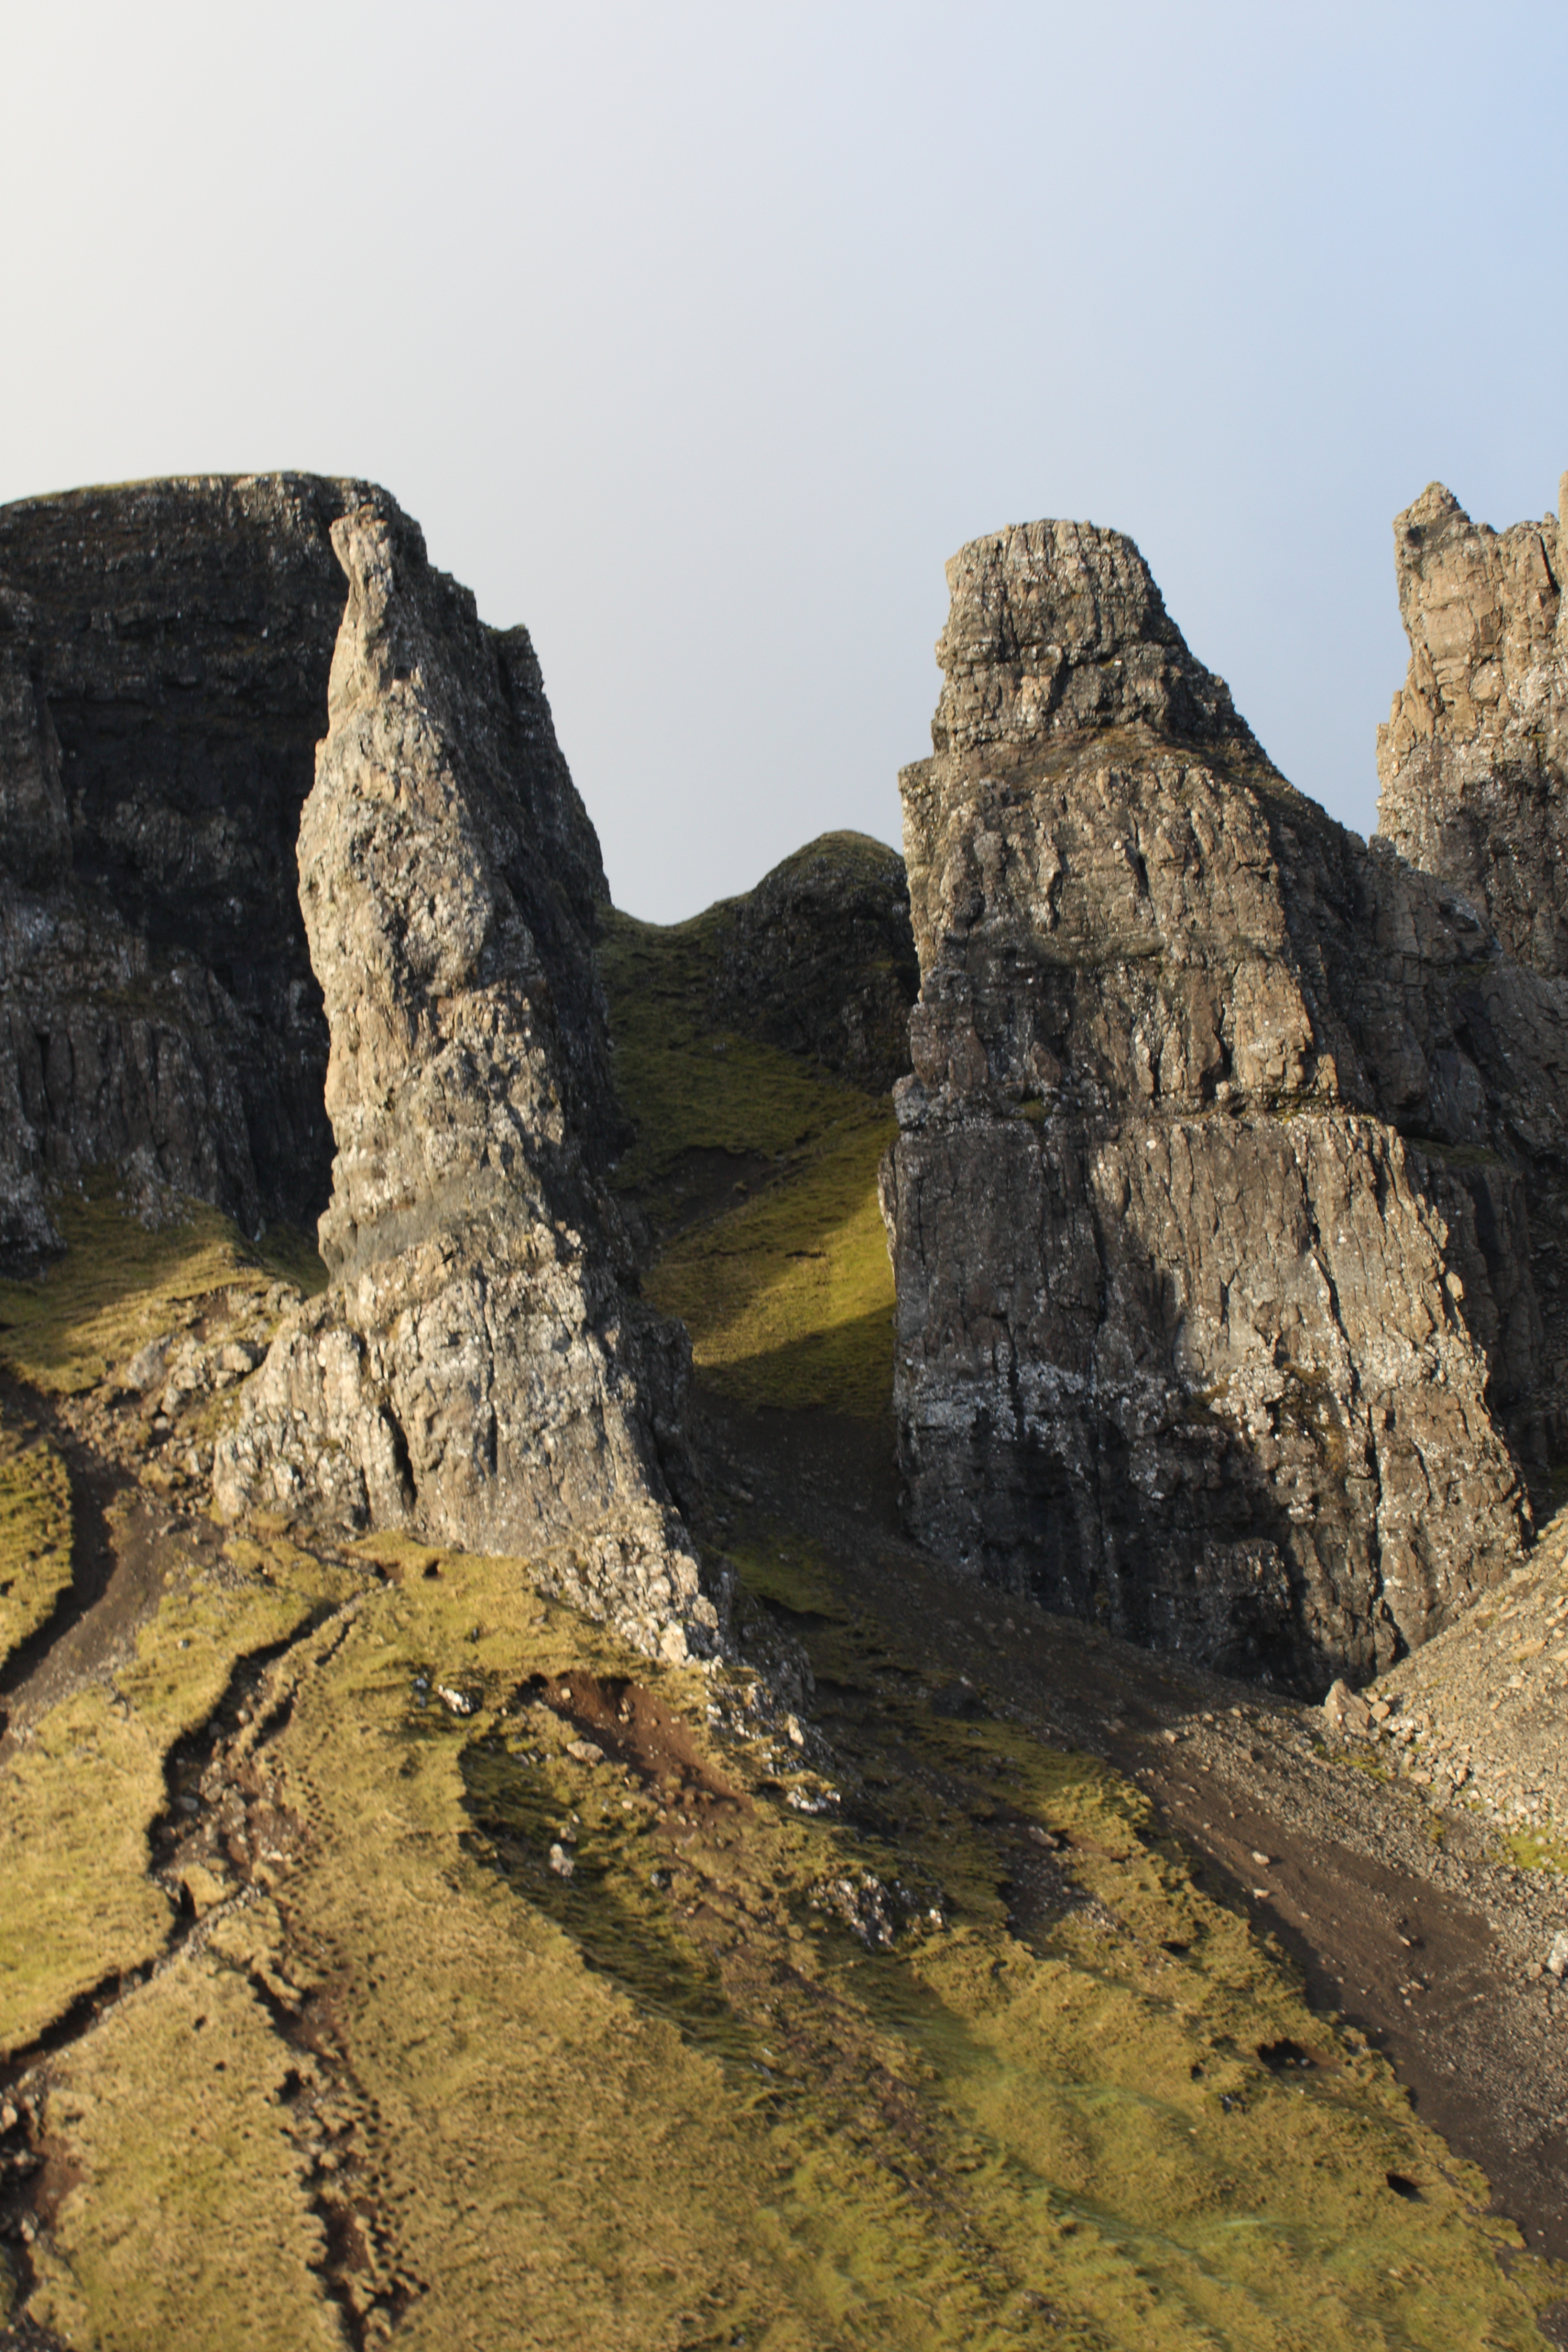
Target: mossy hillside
(529, 2160)
(788, 1293)
(1147, 2046)
(35, 1530)
(687, 1085)
(123, 1282)
(140, 2275)
(671, 2098)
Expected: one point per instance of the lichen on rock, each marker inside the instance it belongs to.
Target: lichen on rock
(479, 1370)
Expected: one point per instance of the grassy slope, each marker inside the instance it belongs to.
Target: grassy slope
(35, 1530)
(788, 1294)
(123, 1282)
(671, 2101)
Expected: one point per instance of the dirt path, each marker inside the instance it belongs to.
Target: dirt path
(1409, 1922)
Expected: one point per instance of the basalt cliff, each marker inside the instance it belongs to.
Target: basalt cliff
(1228, 1206)
(496, 1849)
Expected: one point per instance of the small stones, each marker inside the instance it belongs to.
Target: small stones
(1557, 1957)
(584, 1751)
(1264, 1861)
(561, 1861)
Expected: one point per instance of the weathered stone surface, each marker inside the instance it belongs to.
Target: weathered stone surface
(476, 1373)
(164, 658)
(820, 959)
(1230, 1196)
(1474, 760)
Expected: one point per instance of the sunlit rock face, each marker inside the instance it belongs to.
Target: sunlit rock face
(164, 649)
(1229, 1187)
(478, 1370)
(1474, 760)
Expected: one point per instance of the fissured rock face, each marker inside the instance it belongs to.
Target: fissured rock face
(476, 1371)
(1230, 1178)
(164, 657)
(1474, 760)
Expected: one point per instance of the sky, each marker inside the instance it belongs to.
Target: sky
(699, 336)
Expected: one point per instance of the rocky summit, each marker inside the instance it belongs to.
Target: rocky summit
(1230, 1196)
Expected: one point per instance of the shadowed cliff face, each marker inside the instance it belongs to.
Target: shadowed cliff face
(164, 658)
(1474, 760)
(1230, 1178)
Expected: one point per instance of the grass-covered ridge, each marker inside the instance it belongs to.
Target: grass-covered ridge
(675, 2099)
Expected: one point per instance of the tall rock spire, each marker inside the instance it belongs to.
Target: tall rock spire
(1474, 760)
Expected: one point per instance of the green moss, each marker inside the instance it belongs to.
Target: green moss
(121, 1284)
(1537, 1850)
(35, 1533)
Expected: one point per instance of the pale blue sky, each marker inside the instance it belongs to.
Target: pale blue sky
(699, 336)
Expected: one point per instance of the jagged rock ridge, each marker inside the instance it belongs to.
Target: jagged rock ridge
(164, 658)
(1474, 760)
(477, 1371)
(1230, 1177)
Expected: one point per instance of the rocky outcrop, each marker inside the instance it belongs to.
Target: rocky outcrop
(1228, 1208)
(477, 1370)
(1474, 760)
(164, 659)
(820, 959)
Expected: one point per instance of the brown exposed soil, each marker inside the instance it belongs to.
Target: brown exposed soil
(633, 1729)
